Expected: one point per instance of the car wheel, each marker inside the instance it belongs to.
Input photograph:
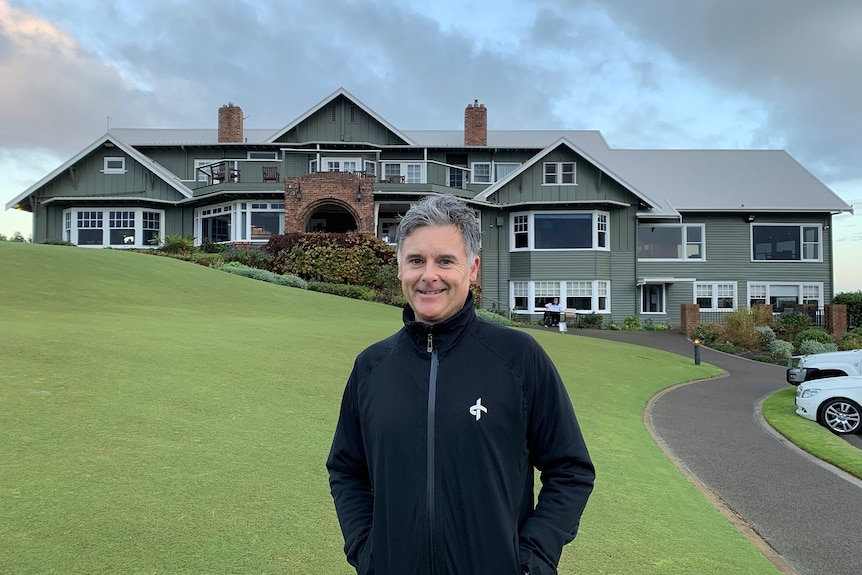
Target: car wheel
(841, 416)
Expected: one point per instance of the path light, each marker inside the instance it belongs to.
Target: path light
(696, 352)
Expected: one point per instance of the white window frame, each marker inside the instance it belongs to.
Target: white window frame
(763, 290)
(683, 243)
(802, 243)
(108, 169)
(346, 165)
(600, 229)
(71, 225)
(714, 291)
(531, 289)
(313, 166)
(509, 166)
(485, 177)
(641, 296)
(370, 168)
(262, 155)
(413, 172)
(558, 173)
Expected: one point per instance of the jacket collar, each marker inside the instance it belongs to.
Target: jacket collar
(446, 333)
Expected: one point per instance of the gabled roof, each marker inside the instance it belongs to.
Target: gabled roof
(339, 92)
(565, 142)
(156, 168)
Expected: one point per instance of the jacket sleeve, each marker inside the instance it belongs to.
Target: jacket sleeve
(558, 451)
(349, 480)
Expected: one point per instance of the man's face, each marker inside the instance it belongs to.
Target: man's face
(434, 272)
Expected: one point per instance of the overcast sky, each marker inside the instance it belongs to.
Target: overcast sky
(647, 74)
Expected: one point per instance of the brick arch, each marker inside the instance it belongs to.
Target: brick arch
(351, 192)
(304, 216)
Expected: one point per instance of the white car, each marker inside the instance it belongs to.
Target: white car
(819, 365)
(833, 402)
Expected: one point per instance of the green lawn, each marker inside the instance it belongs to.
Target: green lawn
(779, 410)
(160, 417)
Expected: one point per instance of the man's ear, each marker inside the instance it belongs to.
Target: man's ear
(474, 270)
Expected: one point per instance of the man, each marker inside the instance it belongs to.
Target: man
(442, 424)
(552, 313)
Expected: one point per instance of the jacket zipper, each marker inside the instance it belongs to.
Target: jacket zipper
(432, 403)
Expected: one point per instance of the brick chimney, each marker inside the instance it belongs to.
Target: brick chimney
(476, 124)
(230, 124)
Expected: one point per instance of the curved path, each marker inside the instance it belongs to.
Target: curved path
(808, 513)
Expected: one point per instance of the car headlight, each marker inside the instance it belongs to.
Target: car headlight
(810, 392)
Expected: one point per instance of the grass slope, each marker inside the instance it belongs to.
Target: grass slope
(161, 417)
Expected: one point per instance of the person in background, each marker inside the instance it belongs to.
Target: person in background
(552, 313)
(441, 425)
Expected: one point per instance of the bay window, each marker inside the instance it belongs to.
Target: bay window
(560, 231)
(105, 227)
(785, 295)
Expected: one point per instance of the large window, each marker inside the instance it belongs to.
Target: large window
(122, 228)
(349, 165)
(715, 296)
(671, 241)
(582, 296)
(102, 227)
(559, 173)
(255, 221)
(786, 242)
(560, 231)
(782, 295)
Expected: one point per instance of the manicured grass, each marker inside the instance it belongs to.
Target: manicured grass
(160, 417)
(780, 411)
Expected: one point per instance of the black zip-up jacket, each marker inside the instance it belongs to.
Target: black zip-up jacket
(431, 466)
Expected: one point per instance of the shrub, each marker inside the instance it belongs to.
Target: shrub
(494, 317)
(762, 357)
(56, 243)
(726, 347)
(263, 275)
(780, 349)
(632, 322)
(344, 290)
(590, 320)
(790, 323)
(355, 259)
(850, 340)
(290, 281)
(766, 335)
(249, 257)
(210, 247)
(739, 329)
(813, 334)
(708, 333)
(175, 244)
(810, 346)
(212, 260)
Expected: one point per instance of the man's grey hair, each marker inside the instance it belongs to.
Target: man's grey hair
(442, 211)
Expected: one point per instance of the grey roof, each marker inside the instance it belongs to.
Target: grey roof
(724, 180)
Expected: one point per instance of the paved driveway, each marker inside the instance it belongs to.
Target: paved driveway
(809, 512)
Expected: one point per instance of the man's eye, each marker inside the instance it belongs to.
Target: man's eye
(445, 262)
(415, 261)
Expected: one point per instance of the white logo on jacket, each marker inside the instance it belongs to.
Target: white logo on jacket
(478, 409)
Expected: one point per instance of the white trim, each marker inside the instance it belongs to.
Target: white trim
(800, 239)
(531, 230)
(74, 217)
